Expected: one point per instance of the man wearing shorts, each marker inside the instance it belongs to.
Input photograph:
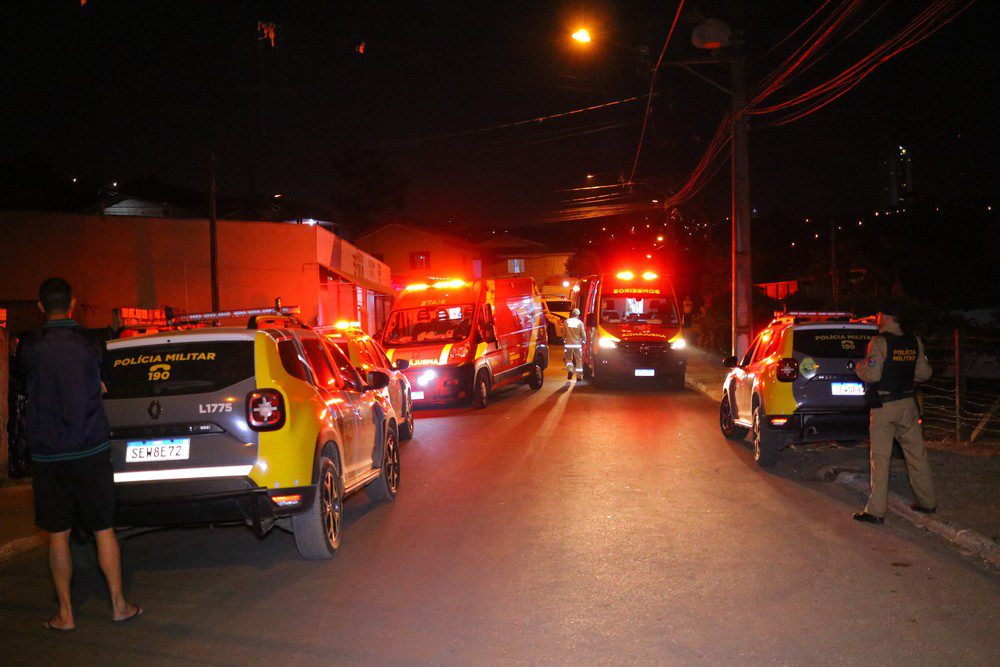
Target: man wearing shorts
(67, 436)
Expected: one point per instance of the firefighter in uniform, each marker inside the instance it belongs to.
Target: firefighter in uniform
(573, 344)
(894, 364)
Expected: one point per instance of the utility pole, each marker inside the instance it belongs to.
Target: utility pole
(834, 284)
(742, 282)
(213, 239)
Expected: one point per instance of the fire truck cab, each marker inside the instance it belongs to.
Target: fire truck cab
(464, 340)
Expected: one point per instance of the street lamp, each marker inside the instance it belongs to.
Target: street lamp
(582, 35)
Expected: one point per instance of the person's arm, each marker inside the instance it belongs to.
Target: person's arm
(923, 371)
(869, 369)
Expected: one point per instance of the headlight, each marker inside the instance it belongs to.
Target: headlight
(426, 378)
(678, 344)
(607, 343)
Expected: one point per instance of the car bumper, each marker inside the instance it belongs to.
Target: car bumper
(624, 362)
(449, 384)
(822, 426)
(212, 500)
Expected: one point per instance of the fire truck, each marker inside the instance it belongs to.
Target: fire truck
(465, 340)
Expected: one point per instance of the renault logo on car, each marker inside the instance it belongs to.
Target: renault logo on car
(155, 410)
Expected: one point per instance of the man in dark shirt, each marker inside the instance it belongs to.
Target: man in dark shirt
(67, 436)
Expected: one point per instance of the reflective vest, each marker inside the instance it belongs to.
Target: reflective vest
(899, 368)
(574, 334)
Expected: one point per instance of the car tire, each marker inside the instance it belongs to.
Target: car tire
(730, 429)
(766, 445)
(481, 390)
(536, 377)
(318, 532)
(385, 488)
(406, 426)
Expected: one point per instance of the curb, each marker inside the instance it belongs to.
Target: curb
(964, 538)
(712, 391)
(18, 546)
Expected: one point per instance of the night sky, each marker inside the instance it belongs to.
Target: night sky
(121, 90)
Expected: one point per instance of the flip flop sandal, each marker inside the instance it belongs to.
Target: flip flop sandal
(138, 612)
(49, 626)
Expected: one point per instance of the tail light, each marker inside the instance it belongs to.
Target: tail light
(265, 410)
(788, 369)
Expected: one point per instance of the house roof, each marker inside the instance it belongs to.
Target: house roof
(418, 229)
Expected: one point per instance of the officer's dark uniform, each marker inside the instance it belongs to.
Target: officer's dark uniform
(894, 364)
(66, 430)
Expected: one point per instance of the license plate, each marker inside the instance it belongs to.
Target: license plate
(847, 389)
(143, 451)
(417, 395)
(645, 373)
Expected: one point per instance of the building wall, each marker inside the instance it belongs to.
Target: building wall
(537, 266)
(393, 244)
(115, 262)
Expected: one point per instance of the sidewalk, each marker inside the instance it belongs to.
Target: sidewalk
(18, 532)
(967, 480)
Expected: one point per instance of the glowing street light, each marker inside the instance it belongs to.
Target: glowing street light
(582, 35)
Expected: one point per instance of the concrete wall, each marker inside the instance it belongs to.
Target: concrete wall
(537, 266)
(116, 261)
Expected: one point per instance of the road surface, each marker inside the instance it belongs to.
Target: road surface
(559, 526)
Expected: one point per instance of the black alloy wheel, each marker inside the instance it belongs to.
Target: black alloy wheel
(727, 424)
(318, 531)
(481, 391)
(386, 486)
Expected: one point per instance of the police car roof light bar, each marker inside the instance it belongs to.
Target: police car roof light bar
(245, 312)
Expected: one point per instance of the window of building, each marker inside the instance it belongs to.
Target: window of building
(515, 266)
(420, 259)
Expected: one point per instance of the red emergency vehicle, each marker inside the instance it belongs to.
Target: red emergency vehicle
(633, 327)
(464, 340)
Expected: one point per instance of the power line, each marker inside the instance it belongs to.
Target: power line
(652, 84)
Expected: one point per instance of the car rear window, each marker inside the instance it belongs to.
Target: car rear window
(835, 343)
(174, 369)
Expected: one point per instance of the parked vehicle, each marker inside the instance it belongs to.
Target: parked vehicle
(633, 327)
(256, 425)
(558, 304)
(367, 355)
(796, 383)
(465, 340)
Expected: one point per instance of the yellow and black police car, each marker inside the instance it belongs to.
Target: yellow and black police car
(796, 383)
(264, 424)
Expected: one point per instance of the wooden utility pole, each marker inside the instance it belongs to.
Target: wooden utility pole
(742, 281)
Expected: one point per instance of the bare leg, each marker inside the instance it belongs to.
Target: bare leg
(61, 564)
(109, 556)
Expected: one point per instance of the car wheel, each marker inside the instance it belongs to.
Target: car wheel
(481, 390)
(730, 429)
(536, 376)
(407, 425)
(386, 486)
(318, 531)
(765, 444)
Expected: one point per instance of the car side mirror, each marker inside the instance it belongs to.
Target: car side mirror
(402, 364)
(377, 380)
(591, 320)
(729, 362)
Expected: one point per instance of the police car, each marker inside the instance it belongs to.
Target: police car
(796, 383)
(266, 424)
(368, 355)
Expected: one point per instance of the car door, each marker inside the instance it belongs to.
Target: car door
(363, 402)
(332, 387)
(743, 378)
(397, 388)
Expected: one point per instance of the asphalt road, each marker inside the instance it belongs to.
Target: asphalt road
(563, 526)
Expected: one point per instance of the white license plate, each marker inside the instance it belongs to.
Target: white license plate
(645, 373)
(417, 395)
(847, 389)
(143, 451)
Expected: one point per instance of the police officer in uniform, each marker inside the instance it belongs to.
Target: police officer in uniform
(573, 344)
(895, 363)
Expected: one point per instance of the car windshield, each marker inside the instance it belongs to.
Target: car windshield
(434, 324)
(832, 342)
(558, 306)
(626, 306)
(172, 369)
